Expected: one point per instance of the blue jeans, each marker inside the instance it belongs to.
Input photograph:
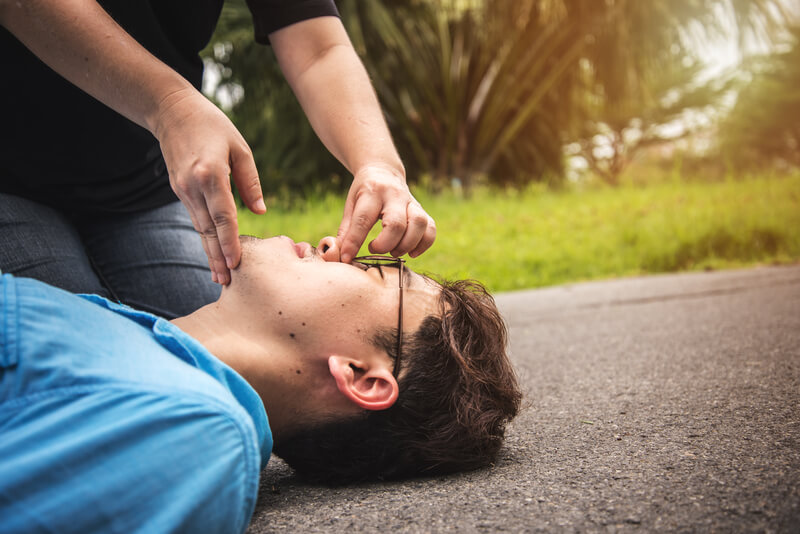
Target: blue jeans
(150, 260)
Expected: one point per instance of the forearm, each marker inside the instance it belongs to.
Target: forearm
(81, 42)
(336, 94)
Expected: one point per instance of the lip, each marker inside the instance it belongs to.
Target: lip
(303, 249)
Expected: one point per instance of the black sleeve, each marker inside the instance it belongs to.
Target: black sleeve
(272, 15)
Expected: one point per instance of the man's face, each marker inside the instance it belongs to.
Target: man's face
(327, 302)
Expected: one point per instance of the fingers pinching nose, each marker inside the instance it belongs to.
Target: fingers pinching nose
(328, 249)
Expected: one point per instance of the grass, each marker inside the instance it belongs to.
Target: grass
(539, 237)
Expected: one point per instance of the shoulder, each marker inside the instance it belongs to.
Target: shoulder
(151, 446)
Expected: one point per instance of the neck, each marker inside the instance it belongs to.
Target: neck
(273, 367)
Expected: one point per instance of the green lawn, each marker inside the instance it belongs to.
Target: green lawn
(515, 240)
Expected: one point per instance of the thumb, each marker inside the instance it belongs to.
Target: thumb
(347, 216)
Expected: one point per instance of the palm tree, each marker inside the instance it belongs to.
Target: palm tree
(641, 73)
(490, 90)
(762, 129)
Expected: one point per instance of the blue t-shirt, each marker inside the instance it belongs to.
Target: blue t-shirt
(112, 419)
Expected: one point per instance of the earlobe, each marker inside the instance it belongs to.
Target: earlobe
(370, 387)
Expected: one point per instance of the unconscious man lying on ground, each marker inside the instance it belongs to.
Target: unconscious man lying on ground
(112, 419)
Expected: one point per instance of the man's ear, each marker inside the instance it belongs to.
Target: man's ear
(371, 387)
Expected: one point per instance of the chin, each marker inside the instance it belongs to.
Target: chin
(258, 252)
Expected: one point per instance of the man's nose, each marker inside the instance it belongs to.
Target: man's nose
(328, 248)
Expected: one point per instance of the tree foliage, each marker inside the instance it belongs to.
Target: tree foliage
(641, 82)
(469, 93)
(490, 90)
(763, 128)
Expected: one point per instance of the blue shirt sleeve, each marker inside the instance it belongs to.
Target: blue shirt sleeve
(102, 429)
(125, 461)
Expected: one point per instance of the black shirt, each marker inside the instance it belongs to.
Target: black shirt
(61, 147)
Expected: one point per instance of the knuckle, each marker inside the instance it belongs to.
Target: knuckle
(366, 190)
(253, 184)
(363, 220)
(181, 184)
(251, 180)
(205, 173)
(393, 223)
(419, 220)
(222, 219)
(373, 186)
(208, 232)
(202, 171)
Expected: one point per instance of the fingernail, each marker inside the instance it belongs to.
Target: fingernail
(214, 277)
(229, 262)
(260, 204)
(345, 258)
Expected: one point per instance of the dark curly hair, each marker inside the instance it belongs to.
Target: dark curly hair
(458, 391)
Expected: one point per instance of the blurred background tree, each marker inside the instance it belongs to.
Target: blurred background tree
(492, 91)
(763, 128)
(643, 83)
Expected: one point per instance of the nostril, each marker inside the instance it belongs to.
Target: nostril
(328, 249)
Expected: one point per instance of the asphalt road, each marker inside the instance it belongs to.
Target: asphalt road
(666, 403)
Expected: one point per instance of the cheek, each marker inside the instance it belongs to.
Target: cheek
(344, 316)
(355, 306)
(331, 294)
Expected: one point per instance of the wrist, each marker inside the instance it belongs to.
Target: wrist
(165, 109)
(395, 168)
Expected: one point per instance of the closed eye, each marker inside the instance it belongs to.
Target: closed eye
(367, 266)
(380, 270)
